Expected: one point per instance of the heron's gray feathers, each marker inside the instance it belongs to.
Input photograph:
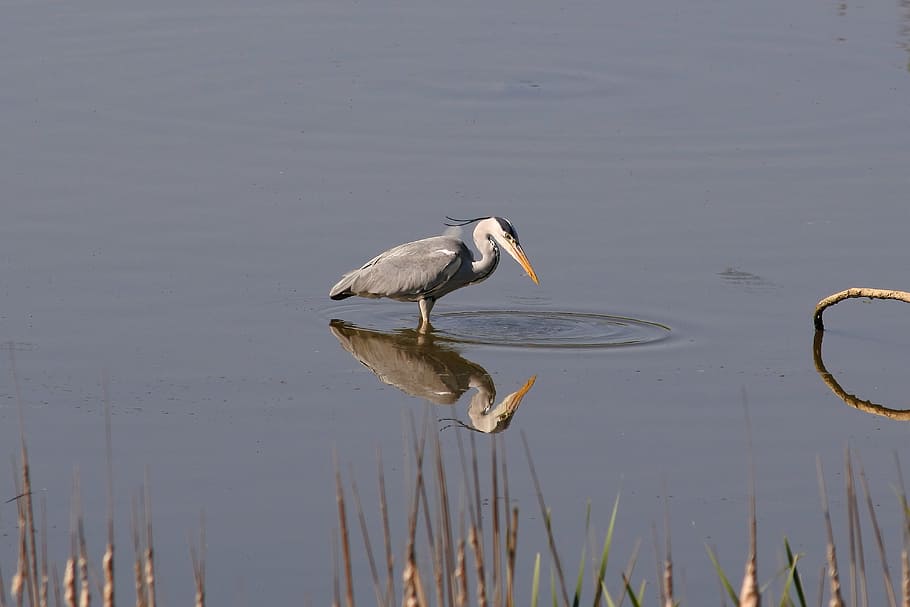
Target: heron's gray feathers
(407, 272)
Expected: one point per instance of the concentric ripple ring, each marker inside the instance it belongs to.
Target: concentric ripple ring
(546, 329)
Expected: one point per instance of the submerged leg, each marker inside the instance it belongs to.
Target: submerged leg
(426, 306)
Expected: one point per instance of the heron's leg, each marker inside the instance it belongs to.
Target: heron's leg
(426, 305)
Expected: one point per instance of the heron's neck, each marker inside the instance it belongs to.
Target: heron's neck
(489, 257)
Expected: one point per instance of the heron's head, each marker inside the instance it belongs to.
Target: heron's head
(505, 235)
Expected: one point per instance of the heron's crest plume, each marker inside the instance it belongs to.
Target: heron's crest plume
(457, 223)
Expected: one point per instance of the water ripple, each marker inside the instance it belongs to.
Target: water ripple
(546, 329)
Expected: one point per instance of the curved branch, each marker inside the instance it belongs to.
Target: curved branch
(866, 406)
(852, 293)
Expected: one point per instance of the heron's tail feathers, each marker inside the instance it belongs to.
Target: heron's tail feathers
(342, 289)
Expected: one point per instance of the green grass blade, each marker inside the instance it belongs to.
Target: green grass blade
(723, 577)
(535, 581)
(606, 594)
(581, 565)
(553, 586)
(633, 598)
(605, 553)
(797, 582)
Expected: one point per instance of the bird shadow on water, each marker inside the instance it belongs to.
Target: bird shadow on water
(422, 366)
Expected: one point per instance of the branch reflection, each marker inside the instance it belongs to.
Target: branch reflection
(850, 399)
(418, 365)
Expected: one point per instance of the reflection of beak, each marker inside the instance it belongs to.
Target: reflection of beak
(510, 403)
(496, 418)
(518, 253)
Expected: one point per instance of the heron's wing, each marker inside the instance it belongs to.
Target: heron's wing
(407, 271)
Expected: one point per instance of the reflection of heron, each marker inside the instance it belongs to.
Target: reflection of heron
(850, 399)
(425, 270)
(415, 364)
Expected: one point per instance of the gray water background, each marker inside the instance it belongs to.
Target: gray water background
(182, 183)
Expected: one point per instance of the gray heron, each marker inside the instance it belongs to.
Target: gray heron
(425, 270)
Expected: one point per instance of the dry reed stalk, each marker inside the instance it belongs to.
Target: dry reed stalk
(107, 566)
(69, 582)
(42, 587)
(439, 576)
(835, 600)
(445, 517)
(821, 584)
(387, 536)
(461, 576)
(749, 594)
(409, 584)
(150, 575)
(443, 556)
(418, 444)
(666, 588)
(27, 571)
(56, 583)
(475, 533)
(858, 590)
(477, 510)
(434, 546)
(511, 549)
(905, 577)
(853, 293)
(336, 585)
(547, 523)
(851, 527)
(668, 582)
(511, 530)
(358, 506)
(69, 572)
(479, 565)
(661, 587)
(107, 561)
(30, 520)
(138, 565)
(497, 561)
(905, 557)
(20, 578)
(2, 589)
(345, 544)
(414, 595)
(472, 499)
(149, 545)
(85, 593)
(15, 590)
(198, 561)
(411, 588)
(883, 555)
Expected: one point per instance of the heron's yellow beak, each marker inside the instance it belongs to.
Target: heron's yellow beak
(518, 253)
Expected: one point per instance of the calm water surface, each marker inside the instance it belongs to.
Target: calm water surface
(181, 185)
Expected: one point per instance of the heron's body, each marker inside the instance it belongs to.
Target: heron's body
(425, 270)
